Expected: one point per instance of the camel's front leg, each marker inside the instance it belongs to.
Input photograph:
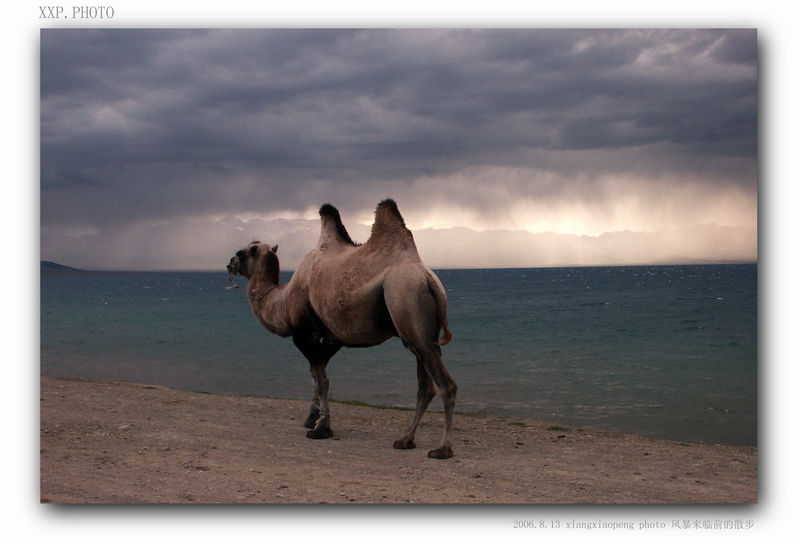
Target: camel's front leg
(321, 428)
(313, 411)
(318, 355)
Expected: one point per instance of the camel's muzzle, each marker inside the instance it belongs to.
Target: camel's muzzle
(233, 266)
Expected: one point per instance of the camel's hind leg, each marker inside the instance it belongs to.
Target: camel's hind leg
(319, 416)
(425, 394)
(448, 388)
(415, 315)
(430, 370)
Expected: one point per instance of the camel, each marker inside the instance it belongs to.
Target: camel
(356, 295)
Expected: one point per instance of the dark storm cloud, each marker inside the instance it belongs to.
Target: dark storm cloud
(145, 125)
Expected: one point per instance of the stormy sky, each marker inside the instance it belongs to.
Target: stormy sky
(152, 141)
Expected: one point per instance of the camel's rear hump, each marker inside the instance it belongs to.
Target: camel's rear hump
(389, 232)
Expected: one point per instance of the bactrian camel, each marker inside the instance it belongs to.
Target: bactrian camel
(346, 294)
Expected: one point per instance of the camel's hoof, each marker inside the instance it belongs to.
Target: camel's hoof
(404, 445)
(310, 423)
(319, 434)
(441, 453)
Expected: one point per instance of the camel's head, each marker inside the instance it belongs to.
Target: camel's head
(246, 261)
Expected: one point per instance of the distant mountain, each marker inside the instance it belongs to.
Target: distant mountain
(49, 268)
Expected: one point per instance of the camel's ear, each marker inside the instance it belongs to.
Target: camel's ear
(275, 248)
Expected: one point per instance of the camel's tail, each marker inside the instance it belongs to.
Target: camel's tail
(447, 336)
(437, 289)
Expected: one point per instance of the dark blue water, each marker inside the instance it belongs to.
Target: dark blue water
(660, 351)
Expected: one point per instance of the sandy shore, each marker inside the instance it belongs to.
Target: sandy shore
(109, 442)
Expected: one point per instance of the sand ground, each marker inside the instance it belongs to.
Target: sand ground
(112, 442)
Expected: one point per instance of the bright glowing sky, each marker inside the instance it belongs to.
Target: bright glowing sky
(569, 131)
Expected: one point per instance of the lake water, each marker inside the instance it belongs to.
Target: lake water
(660, 351)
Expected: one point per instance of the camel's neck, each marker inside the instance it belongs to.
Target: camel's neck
(268, 301)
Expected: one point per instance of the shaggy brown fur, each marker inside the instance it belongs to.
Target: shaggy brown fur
(345, 294)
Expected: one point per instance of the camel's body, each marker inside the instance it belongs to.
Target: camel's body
(344, 294)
